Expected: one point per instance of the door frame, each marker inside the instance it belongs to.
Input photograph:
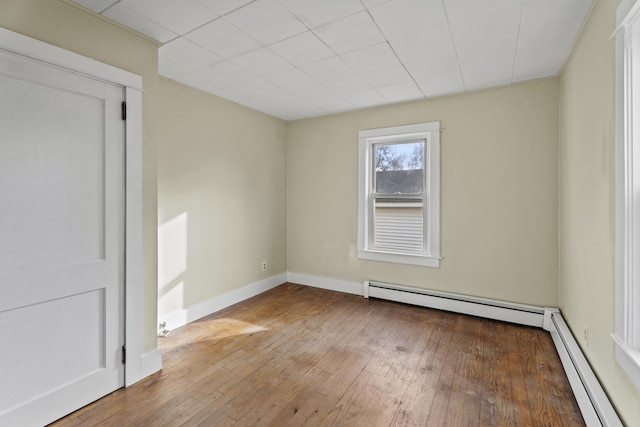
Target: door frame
(137, 366)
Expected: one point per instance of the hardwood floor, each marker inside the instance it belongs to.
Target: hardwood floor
(297, 355)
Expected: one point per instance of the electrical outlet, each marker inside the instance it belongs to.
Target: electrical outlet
(586, 335)
(264, 265)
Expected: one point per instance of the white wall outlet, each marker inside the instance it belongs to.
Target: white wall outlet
(264, 265)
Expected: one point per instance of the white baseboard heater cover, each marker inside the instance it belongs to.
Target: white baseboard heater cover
(594, 404)
(492, 309)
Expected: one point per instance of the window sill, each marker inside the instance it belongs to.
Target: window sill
(629, 360)
(397, 258)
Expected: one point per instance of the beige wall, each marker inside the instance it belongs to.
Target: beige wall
(221, 196)
(498, 203)
(61, 24)
(586, 207)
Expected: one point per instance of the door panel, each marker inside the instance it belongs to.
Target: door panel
(61, 251)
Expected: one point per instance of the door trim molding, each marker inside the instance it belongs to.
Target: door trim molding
(132, 85)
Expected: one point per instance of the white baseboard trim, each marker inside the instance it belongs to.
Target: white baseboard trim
(151, 362)
(325, 283)
(182, 317)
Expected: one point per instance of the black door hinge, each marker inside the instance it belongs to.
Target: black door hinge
(124, 111)
(124, 354)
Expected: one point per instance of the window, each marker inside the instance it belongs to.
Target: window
(399, 203)
(627, 267)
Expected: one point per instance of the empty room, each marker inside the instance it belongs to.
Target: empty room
(319, 212)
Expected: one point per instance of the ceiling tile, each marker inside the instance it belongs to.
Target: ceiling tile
(222, 7)
(347, 84)
(370, 4)
(439, 75)
(134, 20)
(540, 56)
(327, 69)
(314, 13)
(267, 21)
(371, 58)
(179, 16)
(302, 49)
(422, 44)
(365, 98)
(351, 33)
(261, 62)
(547, 34)
(217, 76)
(292, 78)
(96, 5)
(324, 98)
(223, 39)
(401, 92)
(489, 64)
(487, 74)
(388, 76)
(402, 17)
(472, 7)
(471, 31)
(180, 56)
(566, 15)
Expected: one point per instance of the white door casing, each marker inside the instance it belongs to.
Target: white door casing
(63, 212)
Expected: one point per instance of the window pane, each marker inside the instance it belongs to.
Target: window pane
(399, 168)
(399, 221)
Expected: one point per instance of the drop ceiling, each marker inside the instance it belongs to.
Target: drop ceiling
(303, 58)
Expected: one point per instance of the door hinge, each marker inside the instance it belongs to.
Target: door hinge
(124, 111)
(124, 354)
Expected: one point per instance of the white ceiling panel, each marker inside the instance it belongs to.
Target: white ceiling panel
(302, 49)
(353, 82)
(372, 58)
(437, 76)
(328, 69)
(324, 98)
(300, 58)
(180, 56)
(140, 23)
(432, 42)
(222, 7)
(566, 14)
(400, 92)
(222, 38)
(403, 17)
(314, 13)
(365, 98)
(291, 79)
(217, 76)
(179, 16)
(387, 76)
(539, 57)
(472, 7)
(262, 62)
(267, 21)
(471, 31)
(351, 33)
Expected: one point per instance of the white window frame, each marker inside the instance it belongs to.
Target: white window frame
(430, 133)
(627, 257)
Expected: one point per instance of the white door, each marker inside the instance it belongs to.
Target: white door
(61, 240)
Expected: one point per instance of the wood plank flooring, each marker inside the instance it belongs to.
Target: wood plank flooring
(297, 356)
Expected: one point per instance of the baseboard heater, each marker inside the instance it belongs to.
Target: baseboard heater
(594, 404)
(492, 309)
